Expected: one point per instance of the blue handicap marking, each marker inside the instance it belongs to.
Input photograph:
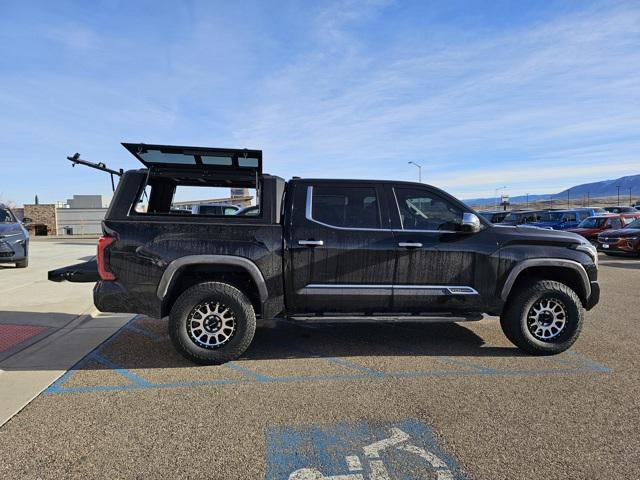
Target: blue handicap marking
(403, 450)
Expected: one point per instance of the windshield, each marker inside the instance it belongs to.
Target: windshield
(6, 216)
(512, 217)
(593, 222)
(634, 224)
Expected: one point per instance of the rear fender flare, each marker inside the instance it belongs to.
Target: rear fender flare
(173, 269)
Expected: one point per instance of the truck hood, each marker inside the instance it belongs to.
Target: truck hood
(528, 234)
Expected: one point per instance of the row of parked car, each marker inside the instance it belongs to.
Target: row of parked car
(613, 230)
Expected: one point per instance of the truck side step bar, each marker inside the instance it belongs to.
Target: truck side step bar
(385, 318)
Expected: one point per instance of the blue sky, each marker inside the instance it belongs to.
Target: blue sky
(534, 95)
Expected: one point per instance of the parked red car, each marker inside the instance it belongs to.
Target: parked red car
(591, 227)
(623, 241)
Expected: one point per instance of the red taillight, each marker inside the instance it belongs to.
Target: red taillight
(103, 271)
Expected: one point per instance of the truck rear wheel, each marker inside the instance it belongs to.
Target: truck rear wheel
(544, 318)
(212, 323)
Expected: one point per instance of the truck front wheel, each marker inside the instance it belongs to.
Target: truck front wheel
(543, 318)
(212, 323)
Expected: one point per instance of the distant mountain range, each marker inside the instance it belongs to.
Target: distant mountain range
(604, 188)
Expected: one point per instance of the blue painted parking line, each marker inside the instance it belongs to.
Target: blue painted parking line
(588, 363)
(335, 360)
(247, 371)
(571, 364)
(354, 366)
(358, 451)
(462, 363)
(154, 336)
(132, 377)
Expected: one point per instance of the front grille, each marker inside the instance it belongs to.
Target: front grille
(609, 240)
(5, 249)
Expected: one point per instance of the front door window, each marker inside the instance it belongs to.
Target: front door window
(421, 210)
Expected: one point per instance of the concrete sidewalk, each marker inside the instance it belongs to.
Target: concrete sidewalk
(45, 327)
(24, 375)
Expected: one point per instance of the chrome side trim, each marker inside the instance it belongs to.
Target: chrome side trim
(176, 265)
(355, 289)
(545, 262)
(349, 285)
(308, 215)
(311, 243)
(364, 290)
(410, 244)
(434, 290)
(426, 231)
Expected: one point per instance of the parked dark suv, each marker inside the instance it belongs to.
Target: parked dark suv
(521, 217)
(494, 216)
(320, 247)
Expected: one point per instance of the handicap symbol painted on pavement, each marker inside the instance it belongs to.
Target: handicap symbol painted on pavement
(358, 451)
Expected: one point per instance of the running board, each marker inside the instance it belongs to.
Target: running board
(384, 318)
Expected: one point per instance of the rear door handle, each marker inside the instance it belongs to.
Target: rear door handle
(311, 243)
(410, 244)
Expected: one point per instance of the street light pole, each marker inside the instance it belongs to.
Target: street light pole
(496, 194)
(618, 187)
(568, 197)
(527, 200)
(419, 170)
(629, 196)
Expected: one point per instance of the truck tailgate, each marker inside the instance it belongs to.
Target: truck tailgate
(80, 272)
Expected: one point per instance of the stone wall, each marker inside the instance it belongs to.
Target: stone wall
(43, 214)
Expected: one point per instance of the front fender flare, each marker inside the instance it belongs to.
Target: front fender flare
(545, 262)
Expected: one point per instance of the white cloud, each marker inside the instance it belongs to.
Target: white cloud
(527, 104)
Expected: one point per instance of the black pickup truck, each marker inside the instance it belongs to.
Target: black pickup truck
(324, 248)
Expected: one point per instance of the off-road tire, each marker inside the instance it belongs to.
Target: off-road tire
(22, 263)
(514, 318)
(226, 294)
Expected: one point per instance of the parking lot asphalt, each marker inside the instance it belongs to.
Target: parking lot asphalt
(352, 401)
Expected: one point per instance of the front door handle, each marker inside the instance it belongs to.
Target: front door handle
(410, 244)
(311, 243)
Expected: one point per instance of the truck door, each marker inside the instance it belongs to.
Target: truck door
(340, 251)
(439, 268)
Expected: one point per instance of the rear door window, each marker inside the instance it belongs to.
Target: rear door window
(344, 206)
(616, 223)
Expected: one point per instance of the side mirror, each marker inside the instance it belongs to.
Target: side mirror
(26, 220)
(470, 223)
